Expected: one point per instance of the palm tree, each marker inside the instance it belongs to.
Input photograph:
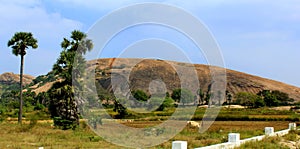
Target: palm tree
(70, 68)
(19, 43)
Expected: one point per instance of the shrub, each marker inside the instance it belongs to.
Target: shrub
(140, 95)
(39, 106)
(64, 124)
(167, 103)
(182, 95)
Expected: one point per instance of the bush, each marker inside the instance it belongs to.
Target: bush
(182, 95)
(167, 103)
(39, 107)
(64, 124)
(95, 138)
(140, 95)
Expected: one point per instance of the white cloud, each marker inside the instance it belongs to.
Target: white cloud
(100, 4)
(48, 28)
(33, 17)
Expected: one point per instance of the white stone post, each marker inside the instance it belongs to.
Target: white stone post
(269, 131)
(179, 145)
(292, 126)
(234, 137)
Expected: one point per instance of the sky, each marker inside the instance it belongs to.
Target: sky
(254, 36)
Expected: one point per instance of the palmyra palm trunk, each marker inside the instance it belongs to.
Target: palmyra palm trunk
(21, 90)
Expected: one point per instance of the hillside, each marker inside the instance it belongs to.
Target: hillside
(10, 78)
(142, 73)
(145, 71)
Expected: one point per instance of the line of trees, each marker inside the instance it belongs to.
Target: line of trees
(263, 98)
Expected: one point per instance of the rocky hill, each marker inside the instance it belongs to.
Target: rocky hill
(141, 73)
(10, 78)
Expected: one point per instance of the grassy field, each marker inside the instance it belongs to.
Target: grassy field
(39, 131)
(43, 134)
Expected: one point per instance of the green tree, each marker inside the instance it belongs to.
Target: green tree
(19, 43)
(249, 100)
(283, 98)
(118, 107)
(182, 95)
(69, 67)
(228, 97)
(258, 102)
(167, 103)
(176, 94)
(208, 95)
(140, 95)
(269, 98)
(201, 96)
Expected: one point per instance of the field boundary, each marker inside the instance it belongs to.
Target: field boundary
(234, 139)
(237, 142)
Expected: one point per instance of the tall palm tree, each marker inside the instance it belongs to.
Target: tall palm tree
(19, 43)
(70, 68)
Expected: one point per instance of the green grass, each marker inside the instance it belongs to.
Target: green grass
(35, 133)
(42, 134)
(267, 143)
(26, 136)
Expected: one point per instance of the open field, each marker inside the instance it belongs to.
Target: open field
(38, 131)
(43, 134)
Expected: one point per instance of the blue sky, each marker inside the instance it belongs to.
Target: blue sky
(256, 37)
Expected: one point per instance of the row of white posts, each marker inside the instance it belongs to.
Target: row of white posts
(234, 139)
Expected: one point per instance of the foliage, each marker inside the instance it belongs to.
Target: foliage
(269, 98)
(103, 95)
(70, 68)
(167, 103)
(9, 101)
(42, 79)
(275, 98)
(118, 107)
(182, 95)
(21, 41)
(140, 95)
(43, 98)
(250, 100)
(228, 97)
(176, 94)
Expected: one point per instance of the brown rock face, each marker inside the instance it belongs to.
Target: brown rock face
(9, 78)
(141, 72)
